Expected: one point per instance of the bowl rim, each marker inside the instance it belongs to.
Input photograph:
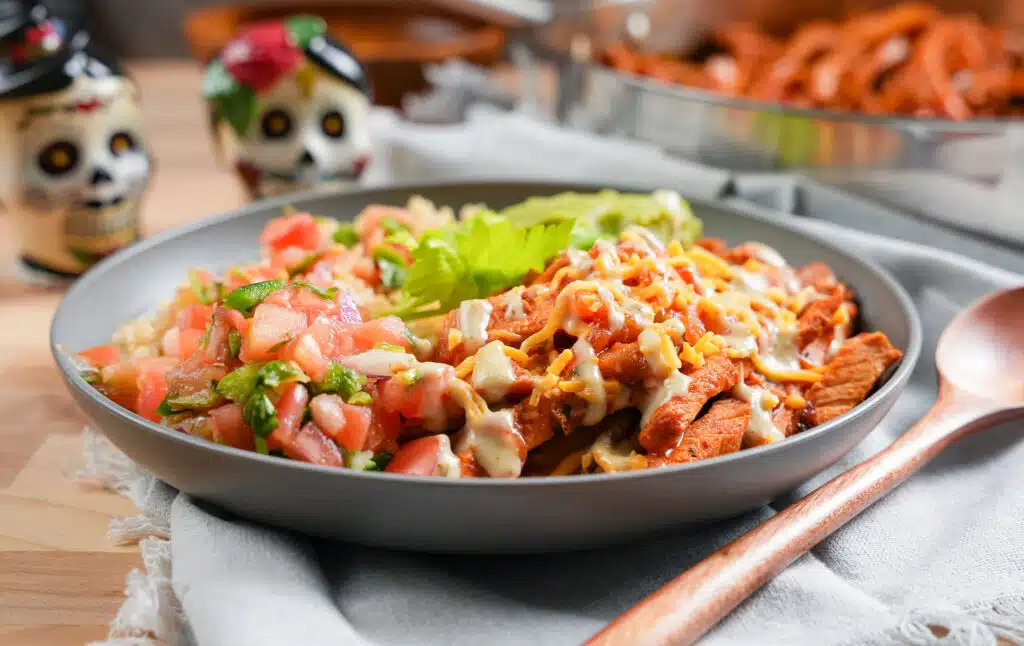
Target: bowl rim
(897, 379)
(914, 126)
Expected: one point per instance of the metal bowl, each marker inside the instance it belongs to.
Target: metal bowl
(968, 174)
(437, 514)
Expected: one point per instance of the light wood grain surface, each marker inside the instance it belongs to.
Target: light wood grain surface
(61, 580)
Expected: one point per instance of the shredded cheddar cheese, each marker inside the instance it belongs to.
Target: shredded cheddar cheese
(454, 338)
(794, 401)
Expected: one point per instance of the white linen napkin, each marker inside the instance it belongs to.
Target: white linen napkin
(945, 549)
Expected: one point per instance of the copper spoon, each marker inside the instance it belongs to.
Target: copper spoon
(980, 359)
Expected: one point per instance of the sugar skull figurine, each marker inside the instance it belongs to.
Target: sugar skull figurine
(75, 161)
(289, 106)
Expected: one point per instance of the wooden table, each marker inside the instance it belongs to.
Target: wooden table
(61, 580)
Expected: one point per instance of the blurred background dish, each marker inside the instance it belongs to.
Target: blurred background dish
(393, 40)
(964, 173)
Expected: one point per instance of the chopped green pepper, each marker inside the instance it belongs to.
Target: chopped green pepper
(276, 373)
(239, 384)
(234, 342)
(205, 398)
(346, 235)
(164, 409)
(360, 398)
(341, 380)
(246, 297)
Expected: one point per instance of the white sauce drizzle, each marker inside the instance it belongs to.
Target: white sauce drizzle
(641, 312)
(493, 373)
(783, 355)
(616, 317)
(768, 256)
(492, 438)
(590, 374)
(447, 462)
(675, 328)
(513, 301)
(741, 338)
(474, 317)
(655, 345)
(749, 282)
(838, 338)
(435, 416)
(381, 363)
(674, 386)
(761, 429)
(579, 259)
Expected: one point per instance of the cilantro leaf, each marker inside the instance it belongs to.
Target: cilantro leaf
(483, 255)
(259, 413)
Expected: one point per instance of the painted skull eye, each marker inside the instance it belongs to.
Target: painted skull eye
(58, 158)
(333, 124)
(121, 142)
(276, 124)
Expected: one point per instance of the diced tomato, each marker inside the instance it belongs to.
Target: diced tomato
(414, 401)
(314, 348)
(290, 409)
(385, 427)
(348, 425)
(194, 317)
(295, 230)
(230, 429)
(289, 258)
(271, 325)
(372, 218)
(235, 319)
(302, 299)
(101, 355)
(366, 270)
(304, 351)
(188, 342)
(312, 445)
(193, 375)
(389, 329)
(121, 380)
(152, 387)
(218, 343)
(427, 456)
(590, 307)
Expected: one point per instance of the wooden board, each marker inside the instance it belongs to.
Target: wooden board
(61, 581)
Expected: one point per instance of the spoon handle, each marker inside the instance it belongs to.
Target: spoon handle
(693, 602)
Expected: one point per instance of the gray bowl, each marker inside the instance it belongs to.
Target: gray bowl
(436, 514)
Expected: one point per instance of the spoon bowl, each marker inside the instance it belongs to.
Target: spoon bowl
(980, 360)
(981, 353)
